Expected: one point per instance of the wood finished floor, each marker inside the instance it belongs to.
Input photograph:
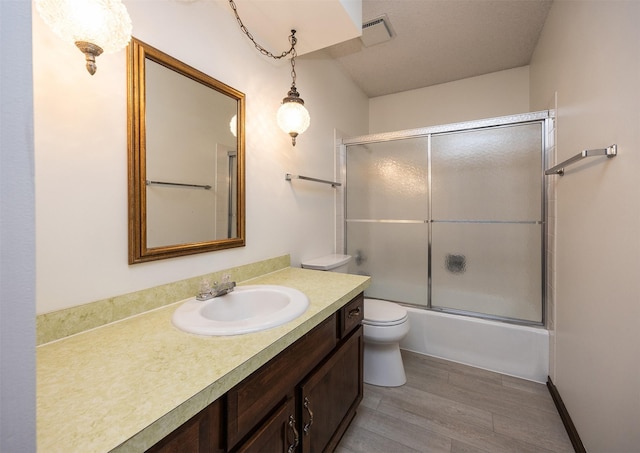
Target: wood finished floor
(453, 408)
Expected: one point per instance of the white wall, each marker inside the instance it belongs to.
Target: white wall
(487, 96)
(17, 232)
(81, 153)
(589, 52)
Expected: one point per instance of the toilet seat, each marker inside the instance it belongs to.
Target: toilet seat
(382, 313)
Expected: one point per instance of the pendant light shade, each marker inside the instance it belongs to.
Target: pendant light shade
(233, 125)
(94, 26)
(293, 117)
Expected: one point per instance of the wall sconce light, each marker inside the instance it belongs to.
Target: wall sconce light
(94, 26)
(292, 116)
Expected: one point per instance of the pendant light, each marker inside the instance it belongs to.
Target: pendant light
(94, 26)
(292, 116)
(233, 125)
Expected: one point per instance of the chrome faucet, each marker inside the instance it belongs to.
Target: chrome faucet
(219, 289)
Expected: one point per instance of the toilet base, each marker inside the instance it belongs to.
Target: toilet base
(383, 365)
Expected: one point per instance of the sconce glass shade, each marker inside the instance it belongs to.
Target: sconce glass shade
(293, 118)
(95, 26)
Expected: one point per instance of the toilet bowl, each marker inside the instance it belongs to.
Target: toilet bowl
(385, 325)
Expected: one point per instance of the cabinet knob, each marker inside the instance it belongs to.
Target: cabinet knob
(296, 440)
(307, 426)
(354, 312)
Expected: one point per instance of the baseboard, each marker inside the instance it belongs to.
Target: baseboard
(574, 437)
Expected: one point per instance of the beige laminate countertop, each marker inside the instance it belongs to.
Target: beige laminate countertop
(126, 385)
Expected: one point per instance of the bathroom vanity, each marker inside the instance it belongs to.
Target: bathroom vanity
(140, 384)
(301, 400)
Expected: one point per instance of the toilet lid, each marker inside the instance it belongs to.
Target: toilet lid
(381, 312)
(325, 263)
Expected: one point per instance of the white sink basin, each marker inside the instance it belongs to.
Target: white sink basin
(247, 309)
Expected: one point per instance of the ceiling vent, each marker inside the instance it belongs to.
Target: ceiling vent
(376, 31)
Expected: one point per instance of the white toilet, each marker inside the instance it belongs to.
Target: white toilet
(385, 325)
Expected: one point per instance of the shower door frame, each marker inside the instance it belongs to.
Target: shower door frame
(542, 117)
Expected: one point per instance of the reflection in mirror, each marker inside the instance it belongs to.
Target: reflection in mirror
(186, 167)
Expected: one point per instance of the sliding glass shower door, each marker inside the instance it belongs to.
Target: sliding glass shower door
(451, 220)
(486, 215)
(387, 210)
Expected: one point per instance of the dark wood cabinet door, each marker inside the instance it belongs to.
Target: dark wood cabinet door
(254, 398)
(330, 396)
(279, 434)
(202, 433)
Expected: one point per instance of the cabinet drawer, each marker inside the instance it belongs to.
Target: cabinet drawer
(351, 315)
(254, 398)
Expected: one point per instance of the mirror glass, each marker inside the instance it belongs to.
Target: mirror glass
(186, 158)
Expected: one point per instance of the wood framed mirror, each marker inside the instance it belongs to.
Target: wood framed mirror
(186, 158)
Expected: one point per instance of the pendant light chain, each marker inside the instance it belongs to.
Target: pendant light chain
(294, 54)
(292, 116)
(262, 50)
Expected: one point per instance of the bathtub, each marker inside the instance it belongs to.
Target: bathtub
(519, 351)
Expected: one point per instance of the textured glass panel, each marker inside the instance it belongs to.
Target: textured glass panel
(387, 180)
(394, 255)
(493, 269)
(489, 174)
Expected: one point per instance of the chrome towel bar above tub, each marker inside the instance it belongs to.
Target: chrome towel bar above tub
(611, 151)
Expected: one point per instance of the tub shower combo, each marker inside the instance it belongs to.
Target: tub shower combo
(449, 221)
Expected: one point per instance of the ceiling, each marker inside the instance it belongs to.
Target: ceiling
(439, 41)
(318, 23)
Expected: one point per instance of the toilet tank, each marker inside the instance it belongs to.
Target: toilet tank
(333, 263)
